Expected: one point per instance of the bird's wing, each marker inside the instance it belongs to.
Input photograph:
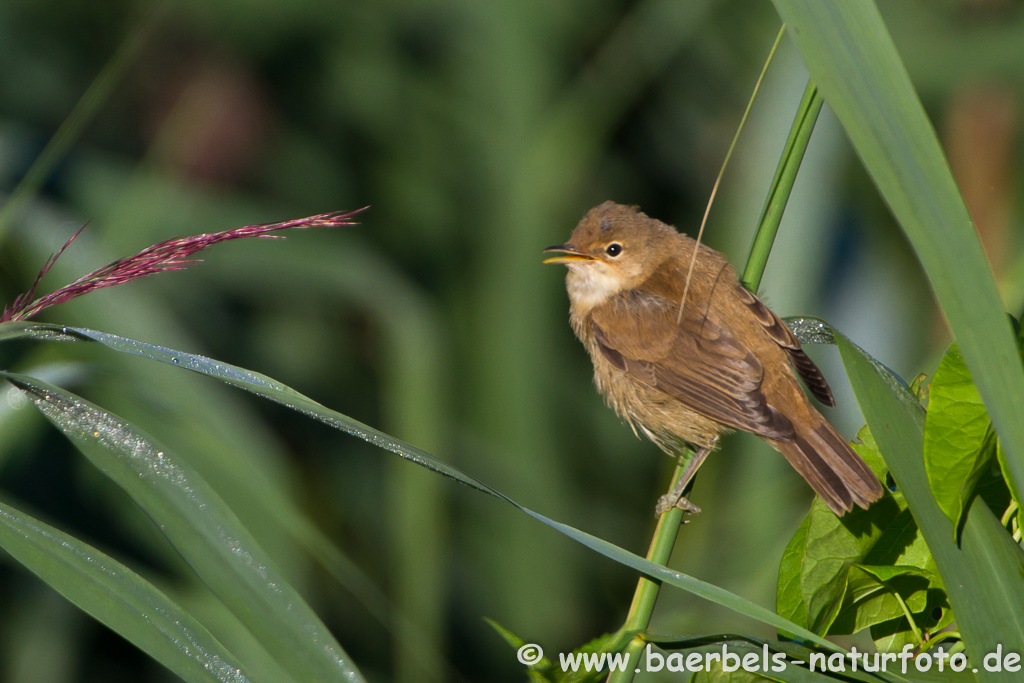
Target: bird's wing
(695, 361)
(781, 335)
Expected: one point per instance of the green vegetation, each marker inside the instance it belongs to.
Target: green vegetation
(229, 537)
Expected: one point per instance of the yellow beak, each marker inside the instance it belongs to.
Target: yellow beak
(569, 254)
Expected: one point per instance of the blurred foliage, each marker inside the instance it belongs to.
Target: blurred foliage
(479, 133)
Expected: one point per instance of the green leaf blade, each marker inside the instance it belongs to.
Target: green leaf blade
(852, 59)
(270, 389)
(119, 598)
(984, 577)
(202, 528)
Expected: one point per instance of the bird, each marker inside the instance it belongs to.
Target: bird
(684, 362)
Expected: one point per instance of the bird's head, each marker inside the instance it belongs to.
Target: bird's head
(614, 248)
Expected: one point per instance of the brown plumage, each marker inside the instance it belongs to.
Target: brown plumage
(727, 362)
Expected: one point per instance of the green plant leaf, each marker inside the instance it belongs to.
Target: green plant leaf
(268, 388)
(202, 528)
(883, 594)
(834, 545)
(118, 598)
(984, 577)
(789, 598)
(834, 570)
(865, 445)
(958, 440)
(892, 634)
(852, 60)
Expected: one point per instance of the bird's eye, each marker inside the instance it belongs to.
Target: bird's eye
(613, 249)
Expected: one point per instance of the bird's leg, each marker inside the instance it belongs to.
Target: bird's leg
(674, 498)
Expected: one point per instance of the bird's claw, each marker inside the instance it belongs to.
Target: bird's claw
(669, 501)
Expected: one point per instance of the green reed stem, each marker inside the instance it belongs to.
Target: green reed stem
(782, 186)
(646, 595)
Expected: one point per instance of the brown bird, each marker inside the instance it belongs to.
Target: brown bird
(685, 372)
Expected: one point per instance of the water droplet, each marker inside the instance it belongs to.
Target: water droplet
(174, 360)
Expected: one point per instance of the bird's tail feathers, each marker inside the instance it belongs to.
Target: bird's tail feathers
(832, 468)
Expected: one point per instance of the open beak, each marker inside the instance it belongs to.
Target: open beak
(567, 254)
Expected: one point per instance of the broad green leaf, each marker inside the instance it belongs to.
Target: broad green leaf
(894, 634)
(902, 545)
(119, 598)
(202, 528)
(958, 442)
(865, 446)
(833, 546)
(789, 598)
(875, 595)
(852, 60)
(847, 561)
(822, 573)
(268, 388)
(984, 577)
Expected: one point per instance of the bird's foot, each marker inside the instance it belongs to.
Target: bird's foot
(673, 500)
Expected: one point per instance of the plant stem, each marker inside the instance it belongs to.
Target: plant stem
(639, 617)
(910, 619)
(782, 186)
(1011, 508)
(83, 113)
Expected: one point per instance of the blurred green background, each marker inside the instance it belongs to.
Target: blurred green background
(479, 132)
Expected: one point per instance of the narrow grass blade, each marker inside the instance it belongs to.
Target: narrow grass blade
(119, 598)
(984, 577)
(71, 130)
(852, 59)
(202, 528)
(270, 389)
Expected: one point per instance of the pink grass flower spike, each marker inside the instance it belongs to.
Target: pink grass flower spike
(173, 254)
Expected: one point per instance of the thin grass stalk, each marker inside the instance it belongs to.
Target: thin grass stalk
(782, 186)
(725, 163)
(95, 96)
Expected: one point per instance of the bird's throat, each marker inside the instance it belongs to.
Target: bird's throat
(591, 284)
